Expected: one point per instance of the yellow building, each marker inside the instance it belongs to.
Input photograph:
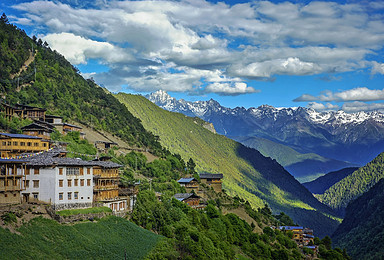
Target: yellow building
(11, 177)
(212, 180)
(12, 145)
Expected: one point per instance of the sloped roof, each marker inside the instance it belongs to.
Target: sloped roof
(19, 136)
(36, 126)
(290, 227)
(184, 196)
(211, 176)
(186, 180)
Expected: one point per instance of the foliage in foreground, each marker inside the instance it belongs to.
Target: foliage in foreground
(110, 238)
(70, 212)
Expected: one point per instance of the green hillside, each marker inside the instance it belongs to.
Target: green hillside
(321, 184)
(362, 230)
(59, 87)
(109, 238)
(247, 173)
(304, 167)
(340, 194)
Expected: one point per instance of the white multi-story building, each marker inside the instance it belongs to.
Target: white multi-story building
(63, 182)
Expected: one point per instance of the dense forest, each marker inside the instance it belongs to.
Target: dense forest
(51, 82)
(340, 194)
(362, 230)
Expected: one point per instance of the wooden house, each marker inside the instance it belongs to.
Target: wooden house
(212, 180)
(30, 112)
(12, 145)
(189, 184)
(104, 145)
(56, 121)
(189, 198)
(106, 185)
(298, 232)
(8, 110)
(72, 128)
(42, 130)
(12, 172)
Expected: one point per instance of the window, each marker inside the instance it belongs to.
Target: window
(27, 184)
(36, 144)
(72, 171)
(69, 183)
(61, 183)
(69, 195)
(4, 143)
(29, 144)
(76, 195)
(9, 143)
(35, 195)
(35, 184)
(81, 171)
(88, 182)
(60, 196)
(88, 170)
(36, 171)
(15, 143)
(27, 171)
(44, 145)
(22, 143)
(81, 182)
(60, 171)
(76, 182)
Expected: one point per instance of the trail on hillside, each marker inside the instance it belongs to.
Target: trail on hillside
(25, 66)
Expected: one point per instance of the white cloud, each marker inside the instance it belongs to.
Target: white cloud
(77, 49)
(227, 89)
(377, 68)
(353, 107)
(322, 107)
(356, 94)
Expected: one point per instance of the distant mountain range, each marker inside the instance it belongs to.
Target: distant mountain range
(354, 139)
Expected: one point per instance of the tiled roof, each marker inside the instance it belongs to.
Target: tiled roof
(211, 176)
(2, 160)
(290, 227)
(107, 164)
(186, 180)
(184, 196)
(20, 136)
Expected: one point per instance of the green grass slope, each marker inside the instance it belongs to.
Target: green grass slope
(109, 238)
(340, 194)
(247, 173)
(304, 167)
(362, 230)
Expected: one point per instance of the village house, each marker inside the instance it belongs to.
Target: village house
(12, 145)
(11, 177)
(63, 182)
(39, 129)
(67, 128)
(106, 185)
(189, 198)
(56, 121)
(189, 184)
(104, 146)
(29, 112)
(212, 180)
(298, 232)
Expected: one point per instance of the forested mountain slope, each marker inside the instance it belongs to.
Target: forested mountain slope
(58, 87)
(362, 230)
(340, 194)
(321, 184)
(247, 173)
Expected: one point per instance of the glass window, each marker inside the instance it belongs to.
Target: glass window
(76, 182)
(76, 195)
(81, 182)
(4, 143)
(35, 195)
(60, 196)
(29, 144)
(36, 144)
(61, 183)
(88, 170)
(73, 171)
(36, 171)
(15, 143)
(69, 183)
(88, 182)
(35, 184)
(60, 171)
(9, 143)
(22, 143)
(69, 195)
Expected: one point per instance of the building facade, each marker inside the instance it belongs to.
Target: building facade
(212, 180)
(11, 179)
(12, 145)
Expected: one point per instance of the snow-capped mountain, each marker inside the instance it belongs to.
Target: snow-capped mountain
(356, 137)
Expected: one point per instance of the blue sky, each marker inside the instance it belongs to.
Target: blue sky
(320, 54)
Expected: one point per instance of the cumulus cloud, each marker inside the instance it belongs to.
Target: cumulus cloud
(356, 94)
(322, 107)
(227, 89)
(77, 49)
(189, 41)
(357, 106)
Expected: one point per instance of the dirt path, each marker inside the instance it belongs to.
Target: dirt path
(30, 59)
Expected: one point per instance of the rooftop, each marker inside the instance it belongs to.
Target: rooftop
(19, 136)
(289, 227)
(186, 180)
(211, 176)
(184, 196)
